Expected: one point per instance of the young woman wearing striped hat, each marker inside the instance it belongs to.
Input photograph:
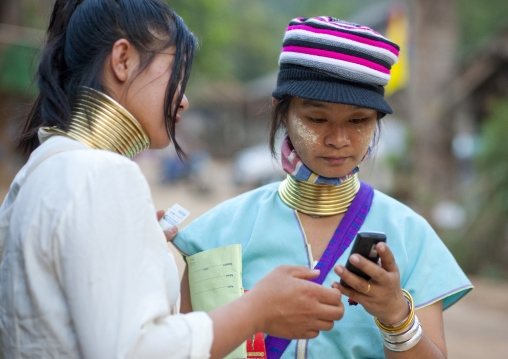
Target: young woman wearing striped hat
(329, 100)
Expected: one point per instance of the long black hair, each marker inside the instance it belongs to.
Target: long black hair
(80, 36)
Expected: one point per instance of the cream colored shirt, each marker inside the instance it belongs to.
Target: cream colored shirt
(84, 267)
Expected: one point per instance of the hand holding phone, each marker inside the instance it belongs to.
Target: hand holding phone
(365, 245)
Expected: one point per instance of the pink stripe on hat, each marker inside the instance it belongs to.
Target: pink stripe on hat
(338, 56)
(356, 38)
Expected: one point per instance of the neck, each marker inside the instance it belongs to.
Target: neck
(102, 123)
(319, 199)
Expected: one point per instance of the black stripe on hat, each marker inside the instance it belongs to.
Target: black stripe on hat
(307, 83)
(337, 49)
(292, 72)
(327, 26)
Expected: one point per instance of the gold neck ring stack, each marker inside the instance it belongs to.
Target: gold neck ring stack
(102, 123)
(319, 199)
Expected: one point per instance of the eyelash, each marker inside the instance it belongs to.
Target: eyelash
(354, 120)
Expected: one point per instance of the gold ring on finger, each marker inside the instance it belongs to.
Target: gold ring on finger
(368, 288)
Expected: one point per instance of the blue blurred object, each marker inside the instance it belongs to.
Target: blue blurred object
(255, 166)
(174, 169)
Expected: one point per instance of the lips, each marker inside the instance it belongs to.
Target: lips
(335, 160)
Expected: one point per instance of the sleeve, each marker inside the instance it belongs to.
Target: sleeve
(202, 234)
(433, 268)
(230, 222)
(427, 268)
(117, 274)
(222, 225)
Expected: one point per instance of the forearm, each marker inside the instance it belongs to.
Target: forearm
(233, 324)
(424, 349)
(432, 343)
(420, 334)
(185, 302)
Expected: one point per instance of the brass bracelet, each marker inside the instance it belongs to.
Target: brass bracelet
(407, 323)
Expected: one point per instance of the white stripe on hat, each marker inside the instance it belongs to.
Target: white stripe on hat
(332, 40)
(341, 68)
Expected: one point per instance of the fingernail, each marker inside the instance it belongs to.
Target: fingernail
(355, 258)
(172, 229)
(339, 270)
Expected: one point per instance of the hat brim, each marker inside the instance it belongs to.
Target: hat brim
(346, 93)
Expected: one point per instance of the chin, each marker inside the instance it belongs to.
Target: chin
(335, 174)
(330, 173)
(159, 145)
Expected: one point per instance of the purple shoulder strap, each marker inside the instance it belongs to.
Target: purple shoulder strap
(342, 238)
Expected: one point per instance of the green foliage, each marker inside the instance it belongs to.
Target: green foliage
(17, 69)
(240, 39)
(482, 246)
(492, 159)
(479, 20)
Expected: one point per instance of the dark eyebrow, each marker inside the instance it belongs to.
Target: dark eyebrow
(312, 103)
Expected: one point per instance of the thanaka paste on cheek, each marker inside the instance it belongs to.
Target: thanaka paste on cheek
(305, 137)
(365, 134)
(365, 137)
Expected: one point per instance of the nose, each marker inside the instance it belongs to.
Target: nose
(337, 137)
(184, 104)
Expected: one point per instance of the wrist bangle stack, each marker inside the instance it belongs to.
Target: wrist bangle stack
(403, 335)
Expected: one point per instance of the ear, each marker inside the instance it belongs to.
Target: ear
(123, 60)
(274, 101)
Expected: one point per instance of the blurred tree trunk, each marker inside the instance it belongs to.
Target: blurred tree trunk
(433, 64)
(10, 11)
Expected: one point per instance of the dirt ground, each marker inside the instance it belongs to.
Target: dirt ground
(475, 327)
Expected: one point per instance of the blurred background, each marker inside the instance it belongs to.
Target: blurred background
(443, 152)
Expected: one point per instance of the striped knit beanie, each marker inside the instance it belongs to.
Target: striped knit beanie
(330, 60)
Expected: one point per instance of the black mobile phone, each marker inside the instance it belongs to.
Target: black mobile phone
(365, 245)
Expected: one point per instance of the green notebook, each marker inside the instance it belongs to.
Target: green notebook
(215, 279)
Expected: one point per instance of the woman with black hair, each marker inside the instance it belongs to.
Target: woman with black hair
(84, 267)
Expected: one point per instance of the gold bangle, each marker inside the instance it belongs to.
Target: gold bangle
(408, 322)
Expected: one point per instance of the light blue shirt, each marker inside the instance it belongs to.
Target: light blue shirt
(270, 234)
